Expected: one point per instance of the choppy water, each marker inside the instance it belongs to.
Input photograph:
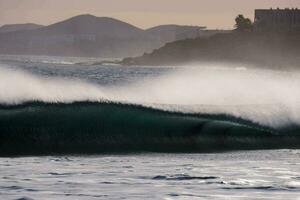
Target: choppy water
(236, 175)
(270, 174)
(83, 69)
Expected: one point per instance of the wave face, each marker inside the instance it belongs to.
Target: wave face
(86, 127)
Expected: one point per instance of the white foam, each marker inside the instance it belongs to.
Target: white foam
(17, 87)
(263, 96)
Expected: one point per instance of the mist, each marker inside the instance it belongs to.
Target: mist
(266, 97)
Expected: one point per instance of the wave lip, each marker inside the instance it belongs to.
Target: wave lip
(38, 128)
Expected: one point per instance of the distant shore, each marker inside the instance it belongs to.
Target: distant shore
(269, 49)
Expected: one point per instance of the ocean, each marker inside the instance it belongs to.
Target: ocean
(76, 128)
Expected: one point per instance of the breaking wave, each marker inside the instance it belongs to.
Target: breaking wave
(202, 112)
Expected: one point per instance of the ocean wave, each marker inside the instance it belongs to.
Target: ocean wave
(194, 111)
(35, 128)
(266, 98)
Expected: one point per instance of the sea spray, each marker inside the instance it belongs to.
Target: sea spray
(17, 87)
(266, 97)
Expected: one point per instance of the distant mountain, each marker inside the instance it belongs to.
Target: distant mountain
(18, 27)
(170, 33)
(266, 49)
(92, 25)
(90, 36)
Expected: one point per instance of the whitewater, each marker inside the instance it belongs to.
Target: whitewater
(266, 97)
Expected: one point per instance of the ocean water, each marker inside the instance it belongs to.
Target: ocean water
(232, 175)
(71, 128)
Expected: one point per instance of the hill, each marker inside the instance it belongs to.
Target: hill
(18, 27)
(89, 24)
(270, 49)
(90, 36)
(83, 35)
(172, 32)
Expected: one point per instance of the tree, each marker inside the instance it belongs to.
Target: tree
(243, 24)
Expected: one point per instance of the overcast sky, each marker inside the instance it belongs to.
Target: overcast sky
(141, 13)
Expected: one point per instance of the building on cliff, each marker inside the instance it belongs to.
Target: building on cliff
(283, 20)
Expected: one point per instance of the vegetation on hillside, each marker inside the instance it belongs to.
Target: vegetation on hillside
(243, 24)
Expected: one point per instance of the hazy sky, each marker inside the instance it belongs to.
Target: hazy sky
(142, 13)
